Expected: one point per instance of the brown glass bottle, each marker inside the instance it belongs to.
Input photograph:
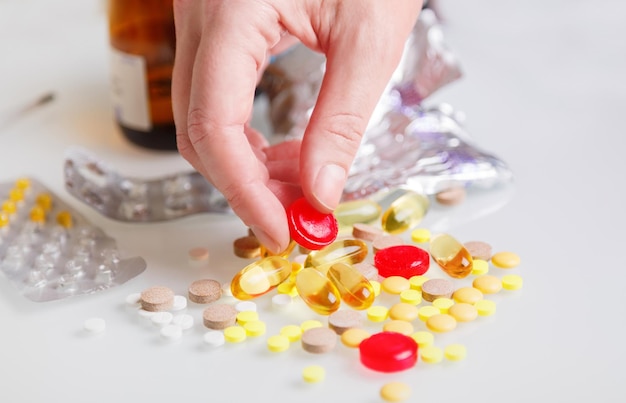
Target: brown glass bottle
(142, 41)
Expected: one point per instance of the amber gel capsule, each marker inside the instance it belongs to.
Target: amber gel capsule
(317, 291)
(349, 251)
(405, 212)
(451, 255)
(354, 288)
(260, 277)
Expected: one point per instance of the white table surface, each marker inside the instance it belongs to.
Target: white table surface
(543, 88)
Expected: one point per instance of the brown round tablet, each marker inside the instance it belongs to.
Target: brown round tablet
(437, 288)
(385, 241)
(205, 291)
(319, 340)
(219, 316)
(158, 298)
(366, 232)
(344, 319)
(368, 270)
(451, 196)
(247, 247)
(479, 250)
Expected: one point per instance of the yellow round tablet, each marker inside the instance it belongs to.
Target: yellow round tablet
(463, 312)
(468, 295)
(512, 282)
(247, 316)
(254, 328)
(480, 267)
(278, 343)
(431, 354)
(485, 307)
(411, 296)
(420, 235)
(443, 304)
(377, 313)
(399, 326)
(395, 284)
(423, 338)
(505, 260)
(395, 392)
(487, 284)
(416, 282)
(292, 332)
(441, 323)
(404, 311)
(455, 352)
(309, 324)
(234, 334)
(376, 287)
(313, 373)
(354, 336)
(427, 311)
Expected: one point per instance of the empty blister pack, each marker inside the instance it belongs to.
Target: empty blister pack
(48, 251)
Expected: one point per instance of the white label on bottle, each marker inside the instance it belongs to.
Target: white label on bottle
(129, 90)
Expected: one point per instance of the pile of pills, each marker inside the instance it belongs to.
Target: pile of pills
(49, 251)
(393, 322)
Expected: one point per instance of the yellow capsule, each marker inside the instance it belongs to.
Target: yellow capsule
(266, 253)
(37, 214)
(357, 211)
(451, 256)
(44, 200)
(405, 212)
(9, 207)
(317, 291)
(4, 219)
(22, 183)
(16, 195)
(260, 277)
(349, 251)
(355, 290)
(64, 219)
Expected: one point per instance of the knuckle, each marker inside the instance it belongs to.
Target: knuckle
(199, 126)
(346, 130)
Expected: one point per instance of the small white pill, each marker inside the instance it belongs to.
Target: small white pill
(134, 299)
(245, 306)
(184, 320)
(145, 314)
(180, 303)
(281, 300)
(94, 325)
(162, 318)
(214, 338)
(226, 291)
(171, 332)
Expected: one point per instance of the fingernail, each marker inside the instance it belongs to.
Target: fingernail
(265, 240)
(329, 184)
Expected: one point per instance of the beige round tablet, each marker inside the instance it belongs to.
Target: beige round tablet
(487, 284)
(205, 291)
(344, 319)
(354, 336)
(319, 340)
(366, 232)
(158, 298)
(368, 270)
(395, 392)
(451, 196)
(219, 316)
(399, 326)
(463, 312)
(404, 311)
(437, 288)
(247, 247)
(479, 250)
(386, 241)
(441, 323)
(469, 295)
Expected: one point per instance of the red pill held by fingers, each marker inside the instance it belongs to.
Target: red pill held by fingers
(310, 228)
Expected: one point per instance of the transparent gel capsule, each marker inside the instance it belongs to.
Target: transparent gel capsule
(260, 277)
(404, 213)
(451, 255)
(317, 291)
(357, 211)
(354, 288)
(349, 251)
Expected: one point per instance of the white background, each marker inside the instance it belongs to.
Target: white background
(543, 88)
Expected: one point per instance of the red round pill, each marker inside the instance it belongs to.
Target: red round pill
(388, 352)
(309, 227)
(402, 260)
